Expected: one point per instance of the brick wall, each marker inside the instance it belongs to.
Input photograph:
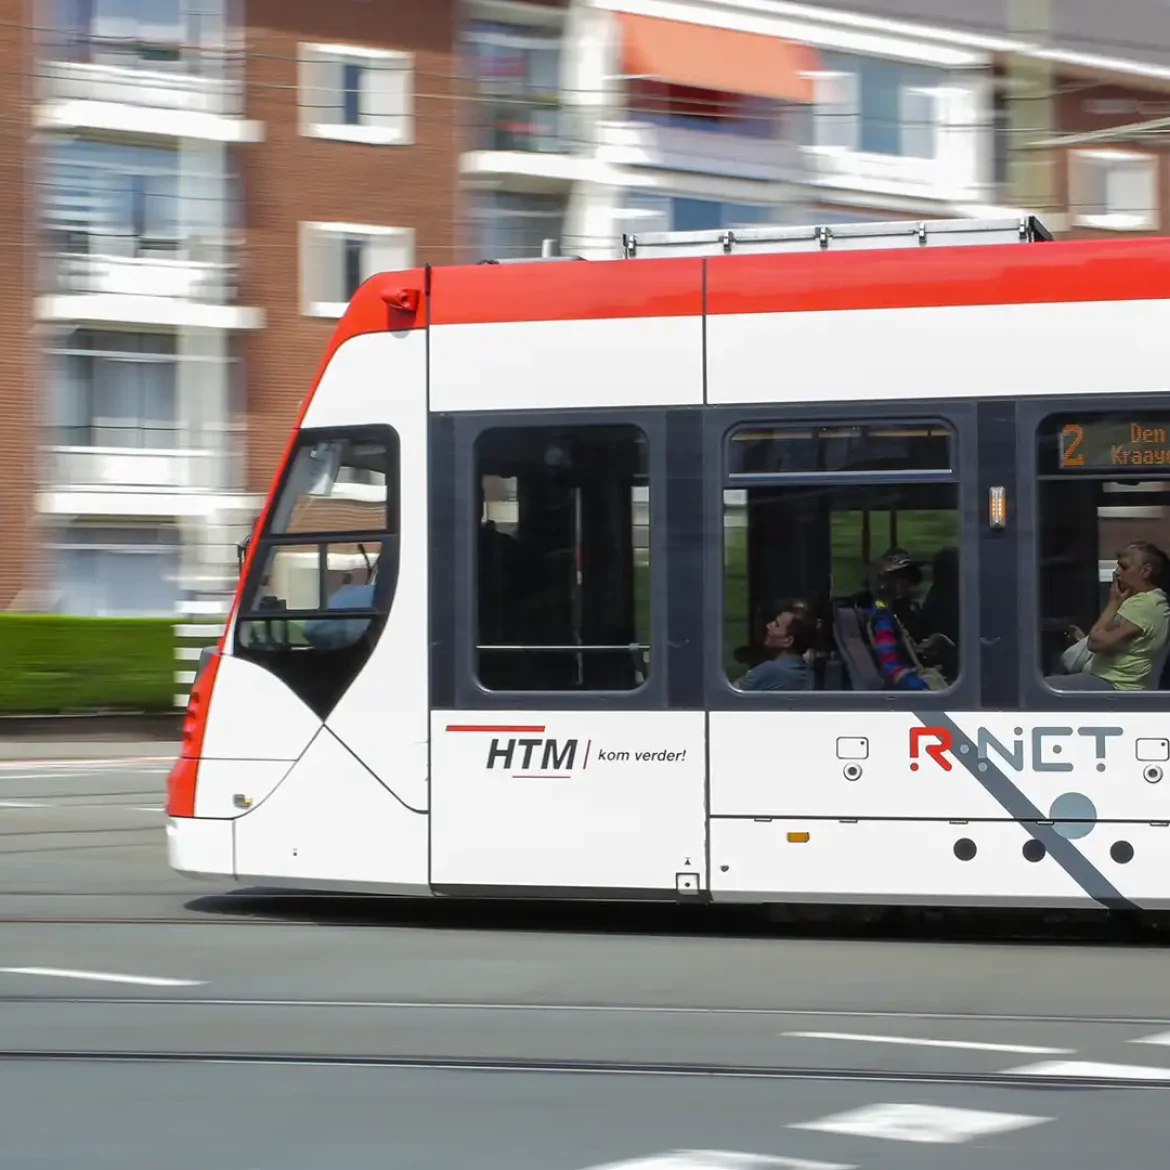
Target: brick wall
(18, 387)
(289, 179)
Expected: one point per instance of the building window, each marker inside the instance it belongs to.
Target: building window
(651, 211)
(113, 389)
(102, 571)
(154, 34)
(1104, 484)
(878, 106)
(336, 258)
(356, 94)
(112, 199)
(508, 225)
(518, 86)
(809, 513)
(835, 114)
(1113, 189)
(563, 566)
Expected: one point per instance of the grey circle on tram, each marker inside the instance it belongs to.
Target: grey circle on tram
(1074, 815)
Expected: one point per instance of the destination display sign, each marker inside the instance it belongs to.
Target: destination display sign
(1113, 443)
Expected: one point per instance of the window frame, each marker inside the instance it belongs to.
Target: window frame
(961, 418)
(1083, 162)
(313, 58)
(387, 537)
(319, 238)
(1034, 695)
(469, 693)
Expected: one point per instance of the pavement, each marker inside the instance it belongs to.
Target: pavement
(262, 1029)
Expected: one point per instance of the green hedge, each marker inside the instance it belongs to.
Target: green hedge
(52, 664)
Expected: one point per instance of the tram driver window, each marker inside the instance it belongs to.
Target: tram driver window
(563, 559)
(1104, 516)
(841, 558)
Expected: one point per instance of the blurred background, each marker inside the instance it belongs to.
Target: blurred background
(190, 190)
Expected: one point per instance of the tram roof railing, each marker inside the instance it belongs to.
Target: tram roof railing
(1026, 229)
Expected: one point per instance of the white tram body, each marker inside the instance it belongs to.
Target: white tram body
(548, 500)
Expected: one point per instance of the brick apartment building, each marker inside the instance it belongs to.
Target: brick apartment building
(189, 190)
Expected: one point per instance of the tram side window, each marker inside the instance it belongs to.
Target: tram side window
(563, 559)
(841, 558)
(1103, 536)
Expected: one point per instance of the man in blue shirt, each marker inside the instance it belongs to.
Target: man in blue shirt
(788, 637)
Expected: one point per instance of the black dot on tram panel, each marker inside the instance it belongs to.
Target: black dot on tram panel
(1034, 850)
(1121, 852)
(965, 849)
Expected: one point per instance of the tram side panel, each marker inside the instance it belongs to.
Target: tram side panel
(917, 804)
(351, 810)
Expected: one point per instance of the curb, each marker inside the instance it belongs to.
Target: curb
(94, 728)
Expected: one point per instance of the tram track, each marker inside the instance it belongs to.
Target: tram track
(577, 1067)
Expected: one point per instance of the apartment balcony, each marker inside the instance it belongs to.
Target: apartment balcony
(524, 142)
(159, 289)
(951, 176)
(92, 87)
(137, 481)
(699, 151)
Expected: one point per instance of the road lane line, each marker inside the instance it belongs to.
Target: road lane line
(22, 804)
(1086, 1068)
(102, 976)
(1162, 1038)
(920, 1123)
(717, 1160)
(974, 1045)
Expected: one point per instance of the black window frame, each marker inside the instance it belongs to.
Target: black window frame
(469, 693)
(388, 537)
(960, 416)
(1031, 415)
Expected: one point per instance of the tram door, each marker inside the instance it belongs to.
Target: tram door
(562, 769)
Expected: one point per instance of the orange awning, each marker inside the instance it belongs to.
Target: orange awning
(719, 59)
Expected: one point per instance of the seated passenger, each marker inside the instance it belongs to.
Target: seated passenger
(788, 637)
(1127, 639)
(897, 656)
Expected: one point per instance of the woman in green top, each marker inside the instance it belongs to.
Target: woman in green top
(1127, 640)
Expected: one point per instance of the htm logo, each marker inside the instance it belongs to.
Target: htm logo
(527, 753)
(554, 756)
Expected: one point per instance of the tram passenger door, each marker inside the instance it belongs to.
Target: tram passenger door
(560, 769)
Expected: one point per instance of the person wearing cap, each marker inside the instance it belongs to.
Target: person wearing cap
(897, 657)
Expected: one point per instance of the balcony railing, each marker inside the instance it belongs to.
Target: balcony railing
(168, 77)
(684, 148)
(139, 469)
(525, 123)
(86, 273)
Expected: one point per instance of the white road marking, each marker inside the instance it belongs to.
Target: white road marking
(974, 1045)
(1087, 1068)
(102, 976)
(157, 808)
(22, 804)
(1160, 1038)
(716, 1160)
(920, 1123)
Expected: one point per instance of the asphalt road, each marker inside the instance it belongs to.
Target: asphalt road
(149, 1020)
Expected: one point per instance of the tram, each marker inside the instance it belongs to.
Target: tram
(748, 567)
